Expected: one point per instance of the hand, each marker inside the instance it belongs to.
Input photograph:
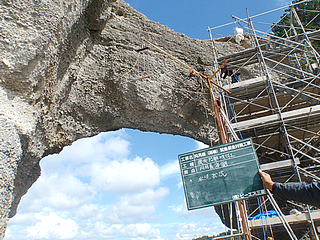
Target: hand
(266, 179)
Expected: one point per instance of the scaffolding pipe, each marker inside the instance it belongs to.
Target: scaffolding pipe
(260, 14)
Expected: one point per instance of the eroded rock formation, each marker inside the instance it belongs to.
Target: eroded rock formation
(63, 68)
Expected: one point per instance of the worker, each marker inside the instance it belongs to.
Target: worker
(235, 77)
(225, 71)
(308, 193)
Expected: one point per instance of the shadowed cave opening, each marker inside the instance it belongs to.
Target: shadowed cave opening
(124, 184)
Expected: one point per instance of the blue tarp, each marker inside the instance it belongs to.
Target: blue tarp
(263, 215)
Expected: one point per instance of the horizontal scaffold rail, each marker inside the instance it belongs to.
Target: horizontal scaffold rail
(296, 115)
(300, 218)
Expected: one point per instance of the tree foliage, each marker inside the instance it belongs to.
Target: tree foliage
(309, 15)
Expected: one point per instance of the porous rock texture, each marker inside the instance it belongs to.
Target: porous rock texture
(65, 75)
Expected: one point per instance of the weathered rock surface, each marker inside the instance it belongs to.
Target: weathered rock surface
(63, 66)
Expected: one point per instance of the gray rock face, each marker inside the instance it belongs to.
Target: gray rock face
(65, 74)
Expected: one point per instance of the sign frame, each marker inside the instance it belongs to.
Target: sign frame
(221, 174)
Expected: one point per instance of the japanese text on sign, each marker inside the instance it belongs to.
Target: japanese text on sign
(220, 174)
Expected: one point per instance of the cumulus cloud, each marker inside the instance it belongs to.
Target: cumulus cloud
(106, 231)
(111, 145)
(57, 191)
(24, 219)
(170, 169)
(186, 231)
(94, 189)
(115, 146)
(88, 211)
(182, 210)
(69, 193)
(52, 226)
(140, 231)
(127, 176)
(136, 207)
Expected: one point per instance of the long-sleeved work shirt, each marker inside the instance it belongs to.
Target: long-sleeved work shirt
(308, 193)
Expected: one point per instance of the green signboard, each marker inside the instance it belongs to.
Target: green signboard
(221, 174)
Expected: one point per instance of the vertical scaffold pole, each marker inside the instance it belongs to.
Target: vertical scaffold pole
(224, 139)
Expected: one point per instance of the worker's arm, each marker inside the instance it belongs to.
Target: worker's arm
(308, 193)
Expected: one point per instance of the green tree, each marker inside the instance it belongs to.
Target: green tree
(309, 14)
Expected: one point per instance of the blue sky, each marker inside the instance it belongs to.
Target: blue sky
(194, 17)
(126, 184)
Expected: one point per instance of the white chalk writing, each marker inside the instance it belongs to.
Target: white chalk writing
(211, 176)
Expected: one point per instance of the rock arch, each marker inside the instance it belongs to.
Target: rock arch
(61, 79)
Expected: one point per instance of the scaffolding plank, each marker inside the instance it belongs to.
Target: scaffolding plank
(299, 114)
(247, 87)
(271, 139)
(279, 164)
(291, 219)
(247, 56)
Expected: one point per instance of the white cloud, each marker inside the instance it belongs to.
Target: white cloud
(70, 193)
(52, 226)
(94, 190)
(126, 176)
(149, 196)
(24, 219)
(140, 231)
(98, 230)
(58, 192)
(176, 208)
(111, 145)
(110, 231)
(170, 169)
(180, 184)
(136, 207)
(187, 231)
(182, 210)
(116, 147)
(88, 211)
(201, 145)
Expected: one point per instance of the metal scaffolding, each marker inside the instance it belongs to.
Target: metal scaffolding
(279, 108)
